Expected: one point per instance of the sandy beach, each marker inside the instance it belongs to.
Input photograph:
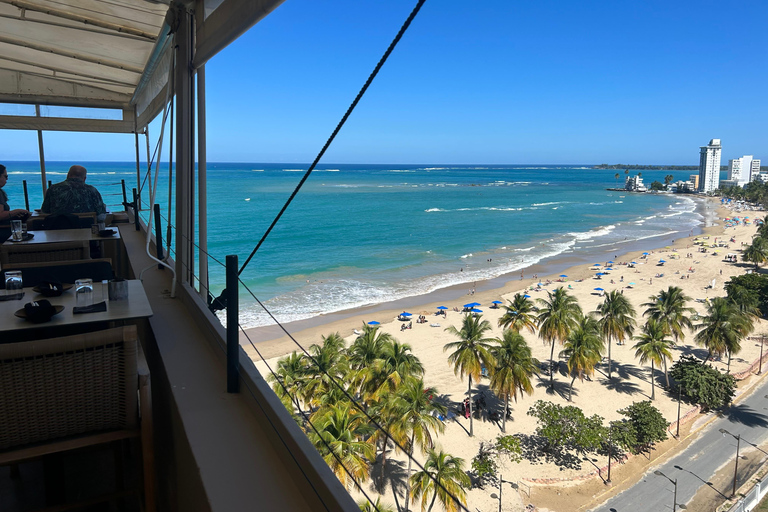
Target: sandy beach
(684, 266)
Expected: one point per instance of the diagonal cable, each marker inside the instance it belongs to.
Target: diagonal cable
(336, 131)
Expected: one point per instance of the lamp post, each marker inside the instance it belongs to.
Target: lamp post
(675, 506)
(493, 495)
(736, 467)
(760, 369)
(679, 390)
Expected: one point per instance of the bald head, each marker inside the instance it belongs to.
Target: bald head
(77, 172)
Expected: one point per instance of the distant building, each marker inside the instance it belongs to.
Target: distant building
(755, 169)
(740, 169)
(730, 183)
(635, 184)
(709, 166)
(694, 179)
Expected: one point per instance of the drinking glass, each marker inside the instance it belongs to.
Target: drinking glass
(16, 229)
(100, 220)
(13, 283)
(84, 292)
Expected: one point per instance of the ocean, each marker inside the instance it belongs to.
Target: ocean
(358, 235)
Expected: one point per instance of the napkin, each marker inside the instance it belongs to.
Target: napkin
(50, 288)
(39, 311)
(99, 307)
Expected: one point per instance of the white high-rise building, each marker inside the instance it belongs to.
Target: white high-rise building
(709, 166)
(736, 172)
(755, 169)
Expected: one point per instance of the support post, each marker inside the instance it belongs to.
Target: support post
(41, 150)
(125, 197)
(202, 184)
(26, 194)
(736, 467)
(158, 236)
(138, 170)
(233, 344)
(674, 498)
(136, 210)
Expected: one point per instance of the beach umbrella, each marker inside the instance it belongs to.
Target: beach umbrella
(527, 296)
(374, 322)
(632, 283)
(646, 253)
(469, 306)
(496, 302)
(473, 304)
(599, 289)
(662, 261)
(633, 262)
(475, 310)
(441, 307)
(563, 275)
(610, 262)
(405, 313)
(600, 274)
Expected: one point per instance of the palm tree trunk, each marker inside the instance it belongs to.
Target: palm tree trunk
(383, 461)
(653, 387)
(433, 498)
(729, 362)
(570, 390)
(552, 367)
(504, 414)
(609, 358)
(408, 475)
(469, 394)
(666, 375)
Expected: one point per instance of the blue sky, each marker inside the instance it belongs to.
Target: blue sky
(490, 82)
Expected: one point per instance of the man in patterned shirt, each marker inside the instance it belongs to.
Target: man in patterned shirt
(73, 195)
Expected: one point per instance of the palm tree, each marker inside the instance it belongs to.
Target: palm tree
(668, 308)
(723, 328)
(520, 314)
(340, 439)
(367, 506)
(617, 178)
(289, 379)
(757, 252)
(653, 346)
(617, 320)
(325, 368)
(558, 314)
(366, 356)
(446, 470)
(416, 410)
(583, 349)
(513, 369)
(470, 353)
(399, 364)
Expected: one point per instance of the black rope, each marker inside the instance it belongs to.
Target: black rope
(295, 402)
(338, 128)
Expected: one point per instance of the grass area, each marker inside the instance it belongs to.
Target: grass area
(763, 506)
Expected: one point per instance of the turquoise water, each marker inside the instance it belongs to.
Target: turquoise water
(359, 235)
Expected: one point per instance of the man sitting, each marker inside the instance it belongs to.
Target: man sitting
(73, 195)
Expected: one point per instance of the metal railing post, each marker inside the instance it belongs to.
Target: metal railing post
(233, 343)
(49, 183)
(26, 194)
(158, 235)
(136, 210)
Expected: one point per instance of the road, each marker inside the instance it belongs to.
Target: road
(696, 465)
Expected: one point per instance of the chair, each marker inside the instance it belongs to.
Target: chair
(38, 253)
(66, 272)
(67, 393)
(68, 221)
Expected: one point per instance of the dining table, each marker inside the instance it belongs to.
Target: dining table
(52, 236)
(13, 328)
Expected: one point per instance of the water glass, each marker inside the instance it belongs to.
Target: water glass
(16, 230)
(13, 283)
(100, 221)
(84, 292)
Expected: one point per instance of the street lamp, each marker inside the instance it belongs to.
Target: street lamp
(493, 495)
(736, 468)
(675, 506)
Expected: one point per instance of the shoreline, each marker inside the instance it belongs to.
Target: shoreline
(272, 341)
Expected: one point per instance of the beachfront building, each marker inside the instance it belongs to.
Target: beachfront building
(635, 184)
(694, 179)
(740, 169)
(709, 166)
(754, 169)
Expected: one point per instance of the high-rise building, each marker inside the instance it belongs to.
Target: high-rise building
(736, 172)
(755, 169)
(709, 166)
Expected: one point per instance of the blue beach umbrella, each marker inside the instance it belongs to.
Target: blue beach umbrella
(496, 302)
(599, 289)
(662, 261)
(610, 262)
(600, 274)
(374, 322)
(441, 307)
(475, 310)
(468, 306)
(405, 313)
(646, 253)
(632, 283)
(633, 262)
(563, 275)
(527, 296)
(473, 304)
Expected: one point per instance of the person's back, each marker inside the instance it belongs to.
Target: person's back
(73, 195)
